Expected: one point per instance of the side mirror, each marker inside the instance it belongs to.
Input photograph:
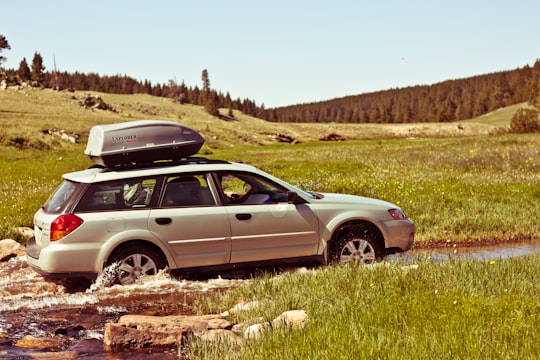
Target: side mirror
(292, 197)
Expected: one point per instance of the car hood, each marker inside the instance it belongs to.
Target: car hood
(332, 198)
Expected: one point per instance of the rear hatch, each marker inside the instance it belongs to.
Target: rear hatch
(57, 204)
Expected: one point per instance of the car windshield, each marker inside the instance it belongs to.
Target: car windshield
(56, 203)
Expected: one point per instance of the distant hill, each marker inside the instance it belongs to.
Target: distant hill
(26, 113)
(28, 117)
(451, 100)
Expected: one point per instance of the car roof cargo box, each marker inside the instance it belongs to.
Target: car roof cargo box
(141, 141)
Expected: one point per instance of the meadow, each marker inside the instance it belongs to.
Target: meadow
(466, 183)
(473, 188)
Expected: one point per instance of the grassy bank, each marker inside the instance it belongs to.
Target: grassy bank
(460, 309)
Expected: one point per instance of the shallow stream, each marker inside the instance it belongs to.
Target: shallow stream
(39, 317)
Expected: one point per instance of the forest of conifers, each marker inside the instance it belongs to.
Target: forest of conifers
(446, 101)
(442, 102)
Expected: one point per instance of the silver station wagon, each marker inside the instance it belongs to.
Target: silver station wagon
(139, 217)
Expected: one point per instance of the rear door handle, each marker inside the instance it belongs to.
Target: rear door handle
(243, 216)
(163, 221)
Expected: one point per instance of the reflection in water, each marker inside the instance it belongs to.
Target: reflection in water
(491, 252)
(37, 309)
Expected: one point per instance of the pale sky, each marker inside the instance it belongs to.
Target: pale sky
(278, 52)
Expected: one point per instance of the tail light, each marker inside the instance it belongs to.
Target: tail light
(63, 225)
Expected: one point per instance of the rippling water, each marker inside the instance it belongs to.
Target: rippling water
(34, 309)
(490, 252)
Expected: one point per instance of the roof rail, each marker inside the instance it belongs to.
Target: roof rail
(161, 163)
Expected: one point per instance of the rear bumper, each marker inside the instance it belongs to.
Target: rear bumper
(64, 275)
(32, 250)
(52, 261)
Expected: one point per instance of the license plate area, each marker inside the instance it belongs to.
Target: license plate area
(38, 235)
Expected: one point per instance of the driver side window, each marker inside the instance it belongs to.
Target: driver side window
(248, 189)
(234, 187)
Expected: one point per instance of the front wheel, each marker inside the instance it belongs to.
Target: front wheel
(356, 247)
(136, 261)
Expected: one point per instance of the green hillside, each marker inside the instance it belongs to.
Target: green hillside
(27, 112)
(483, 175)
(499, 118)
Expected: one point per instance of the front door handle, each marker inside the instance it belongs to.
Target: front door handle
(163, 221)
(243, 216)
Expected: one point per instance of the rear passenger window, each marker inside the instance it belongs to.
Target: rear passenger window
(187, 190)
(118, 195)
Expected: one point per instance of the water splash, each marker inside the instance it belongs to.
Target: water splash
(105, 279)
(22, 288)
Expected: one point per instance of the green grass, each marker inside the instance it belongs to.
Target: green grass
(460, 309)
(456, 188)
(498, 118)
(28, 178)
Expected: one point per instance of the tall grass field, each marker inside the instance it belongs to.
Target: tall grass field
(474, 188)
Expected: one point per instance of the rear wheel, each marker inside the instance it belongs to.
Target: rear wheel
(356, 247)
(136, 261)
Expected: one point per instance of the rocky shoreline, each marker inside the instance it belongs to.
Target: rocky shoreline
(135, 332)
(142, 332)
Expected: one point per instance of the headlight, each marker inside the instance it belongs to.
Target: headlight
(397, 214)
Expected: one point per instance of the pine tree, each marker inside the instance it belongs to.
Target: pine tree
(24, 71)
(4, 45)
(183, 93)
(533, 80)
(174, 91)
(209, 96)
(206, 81)
(195, 96)
(38, 69)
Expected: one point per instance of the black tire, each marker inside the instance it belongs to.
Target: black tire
(356, 246)
(135, 261)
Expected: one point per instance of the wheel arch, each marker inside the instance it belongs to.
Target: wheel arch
(359, 224)
(135, 242)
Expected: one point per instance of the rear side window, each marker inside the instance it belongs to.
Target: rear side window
(59, 199)
(187, 190)
(118, 195)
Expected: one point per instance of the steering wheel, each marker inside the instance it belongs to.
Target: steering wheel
(238, 199)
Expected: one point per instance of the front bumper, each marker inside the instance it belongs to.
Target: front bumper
(399, 235)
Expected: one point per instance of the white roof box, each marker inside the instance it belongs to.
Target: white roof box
(141, 141)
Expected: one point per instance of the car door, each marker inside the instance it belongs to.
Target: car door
(264, 225)
(188, 221)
